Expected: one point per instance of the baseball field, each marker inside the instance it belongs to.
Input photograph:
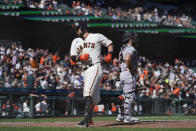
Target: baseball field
(147, 123)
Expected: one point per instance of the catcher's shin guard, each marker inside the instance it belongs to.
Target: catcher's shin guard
(122, 109)
(121, 98)
(128, 104)
(120, 102)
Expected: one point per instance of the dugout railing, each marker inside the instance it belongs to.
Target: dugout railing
(162, 106)
(57, 106)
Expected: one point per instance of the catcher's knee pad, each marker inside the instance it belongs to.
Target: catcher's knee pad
(119, 100)
(121, 97)
(129, 98)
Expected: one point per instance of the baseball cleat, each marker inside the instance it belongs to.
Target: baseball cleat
(84, 123)
(91, 124)
(130, 119)
(119, 118)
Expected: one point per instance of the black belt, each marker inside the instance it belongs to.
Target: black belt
(86, 67)
(129, 92)
(123, 70)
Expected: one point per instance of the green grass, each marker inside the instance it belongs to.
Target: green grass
(68, 119)
(91, 129)
(180, 117)
(109, 118)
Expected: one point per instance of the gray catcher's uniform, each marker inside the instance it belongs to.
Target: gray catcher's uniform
(127, 79)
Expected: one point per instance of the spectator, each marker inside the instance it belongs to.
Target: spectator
(26, 108)
(77, 82)
(38, 107)
(43, 82)
(14, 83)
(191, 109)
(30, 79)
(6, 108)
(44, 106)
(7, 84)
(70, 96)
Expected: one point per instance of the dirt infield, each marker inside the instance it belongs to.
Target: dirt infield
(142, 124)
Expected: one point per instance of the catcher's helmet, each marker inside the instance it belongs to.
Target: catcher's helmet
(129, 35)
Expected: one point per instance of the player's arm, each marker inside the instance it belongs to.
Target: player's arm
(74, 58)
(73, 54)
(73, 51)
(128, 62)
(108, 43)
(108, 57)
(110, 48)
(83, 57)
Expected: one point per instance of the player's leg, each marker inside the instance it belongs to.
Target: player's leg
(120, 102)
(91, 76)
(128, 89)
(88, 108)
(95, 94)
(95, 91)
(128, 107)
(86, 122)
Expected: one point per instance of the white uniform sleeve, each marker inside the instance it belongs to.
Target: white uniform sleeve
(104, 40)
(75, 43)
(129, 50)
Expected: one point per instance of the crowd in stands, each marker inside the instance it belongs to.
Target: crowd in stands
(172, 17)
(164, 80)
(154, 15)
(39, 68)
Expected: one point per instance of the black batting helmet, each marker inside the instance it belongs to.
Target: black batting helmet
(80, 25)
(129, 35)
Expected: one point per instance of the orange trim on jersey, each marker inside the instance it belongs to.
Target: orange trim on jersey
(93, 81)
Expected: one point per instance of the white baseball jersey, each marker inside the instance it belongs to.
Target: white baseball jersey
(91, 45)
(76, 43)
(93, 74)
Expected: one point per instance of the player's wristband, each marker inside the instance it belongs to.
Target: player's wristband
(110, 52)
(74, 58)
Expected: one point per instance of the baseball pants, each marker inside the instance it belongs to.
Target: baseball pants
(92, 78)
(128, 83)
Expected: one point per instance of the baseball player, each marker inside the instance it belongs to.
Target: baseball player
(87, 50)
(128, 65)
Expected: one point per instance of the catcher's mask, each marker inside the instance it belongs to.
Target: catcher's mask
(80, 25)
(129, 35)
